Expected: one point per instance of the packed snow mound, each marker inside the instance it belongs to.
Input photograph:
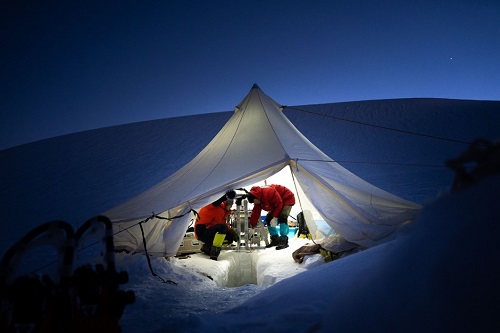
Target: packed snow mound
(263, 267)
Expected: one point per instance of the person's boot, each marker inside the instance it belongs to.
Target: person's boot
(205, 248)
(283, 243)
(274, 241)
(217, 245)
(214, 252)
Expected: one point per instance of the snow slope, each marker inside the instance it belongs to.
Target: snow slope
(442, 272)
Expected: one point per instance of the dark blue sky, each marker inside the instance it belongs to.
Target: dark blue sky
(68, 67)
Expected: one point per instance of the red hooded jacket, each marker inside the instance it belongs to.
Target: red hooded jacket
(272, 199)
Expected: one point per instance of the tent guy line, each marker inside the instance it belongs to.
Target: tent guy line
(147, 255)
(379, 126)
(380, 163)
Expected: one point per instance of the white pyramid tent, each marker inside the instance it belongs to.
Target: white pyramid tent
(257, 142)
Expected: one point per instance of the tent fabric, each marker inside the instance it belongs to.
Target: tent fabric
(255, 143)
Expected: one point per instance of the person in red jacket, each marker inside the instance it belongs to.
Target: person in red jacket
(211, 225)
(277, 200)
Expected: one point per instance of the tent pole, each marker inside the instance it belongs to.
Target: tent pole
(245, 210)
(238, 225)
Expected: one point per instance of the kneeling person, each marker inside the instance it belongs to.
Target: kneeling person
(211, 225)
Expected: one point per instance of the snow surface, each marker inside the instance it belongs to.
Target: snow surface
(203, 286)
(440, 274)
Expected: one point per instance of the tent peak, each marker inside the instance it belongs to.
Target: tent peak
(255, 86)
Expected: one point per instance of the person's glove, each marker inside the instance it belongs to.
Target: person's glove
(269, 218)
(235, 235)
(231, 194)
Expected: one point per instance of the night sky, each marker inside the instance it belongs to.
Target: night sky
(69, 66)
